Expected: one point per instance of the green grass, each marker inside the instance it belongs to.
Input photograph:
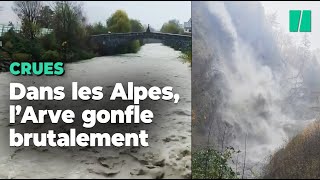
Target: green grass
(186, 57)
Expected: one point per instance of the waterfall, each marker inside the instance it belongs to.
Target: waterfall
(267, 84)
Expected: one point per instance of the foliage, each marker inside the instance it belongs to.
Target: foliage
(21, 57)
(45, 17)
(50, 56)
(136, 26)
(82, 55)
(8, 45)
(49, 42)
(187, 57)
(4, 55)
(299, 159)
(172, 27)
(119, 22)
(212, 164)
(97, 28)
(68, 23)
(15, 43)
(134, 46)
(28, 12)
(35, 49)
(70, 38)
(30, 29)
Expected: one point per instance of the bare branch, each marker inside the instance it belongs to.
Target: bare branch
(245, 154)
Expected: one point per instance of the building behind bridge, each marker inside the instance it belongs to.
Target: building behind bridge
(17, 29)
(187, 26)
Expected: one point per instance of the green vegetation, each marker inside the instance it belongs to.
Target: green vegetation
(173, 27)
(68, 25)
(212, 164)
(119, 22)
(67, 38)
(136, 26)
(187, 57)
(28, 12)
(50, 56)
(299, 159)
(46, 17)
(97, 28)
(21, 57)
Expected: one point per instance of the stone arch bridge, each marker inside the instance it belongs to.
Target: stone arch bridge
(105, 42)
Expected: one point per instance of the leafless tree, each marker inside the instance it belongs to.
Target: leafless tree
(208, 145)
(28, 12)
(223, 138)
(245, 154)
(237, 161)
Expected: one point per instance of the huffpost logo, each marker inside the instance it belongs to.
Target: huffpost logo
(300, 21)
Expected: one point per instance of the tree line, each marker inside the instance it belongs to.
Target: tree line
(67, 36)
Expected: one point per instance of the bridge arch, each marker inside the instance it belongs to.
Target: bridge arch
(106, 42)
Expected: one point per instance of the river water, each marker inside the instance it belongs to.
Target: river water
(168, 155)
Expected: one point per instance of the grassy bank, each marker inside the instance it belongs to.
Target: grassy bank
(186, 57)
(299, 158)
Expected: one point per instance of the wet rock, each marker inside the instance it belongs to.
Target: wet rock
(103, 173)
(138, 172)
(157, 174)
(160, 163)
(181, 113)
(150, 166)
(110, 162)
(185, 153)
(169, 139)
(187, 175)
(135, 157)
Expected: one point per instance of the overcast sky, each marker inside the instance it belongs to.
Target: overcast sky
(154, 13)
(282, 9)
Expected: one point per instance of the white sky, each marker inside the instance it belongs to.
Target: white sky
(154, 13)
(282, 9)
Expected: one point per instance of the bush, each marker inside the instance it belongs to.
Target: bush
(21, 57)
(4, 55)
(299, 159)
(49, 42)
(80, 55)
(212, 164)
(8, 45)
(85, 55)
(36, 50)
(50, 56)
(14, 42)
(186, 57)
(134, 46)
(130, 47)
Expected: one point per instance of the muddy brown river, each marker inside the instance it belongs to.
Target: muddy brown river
(169, 153)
